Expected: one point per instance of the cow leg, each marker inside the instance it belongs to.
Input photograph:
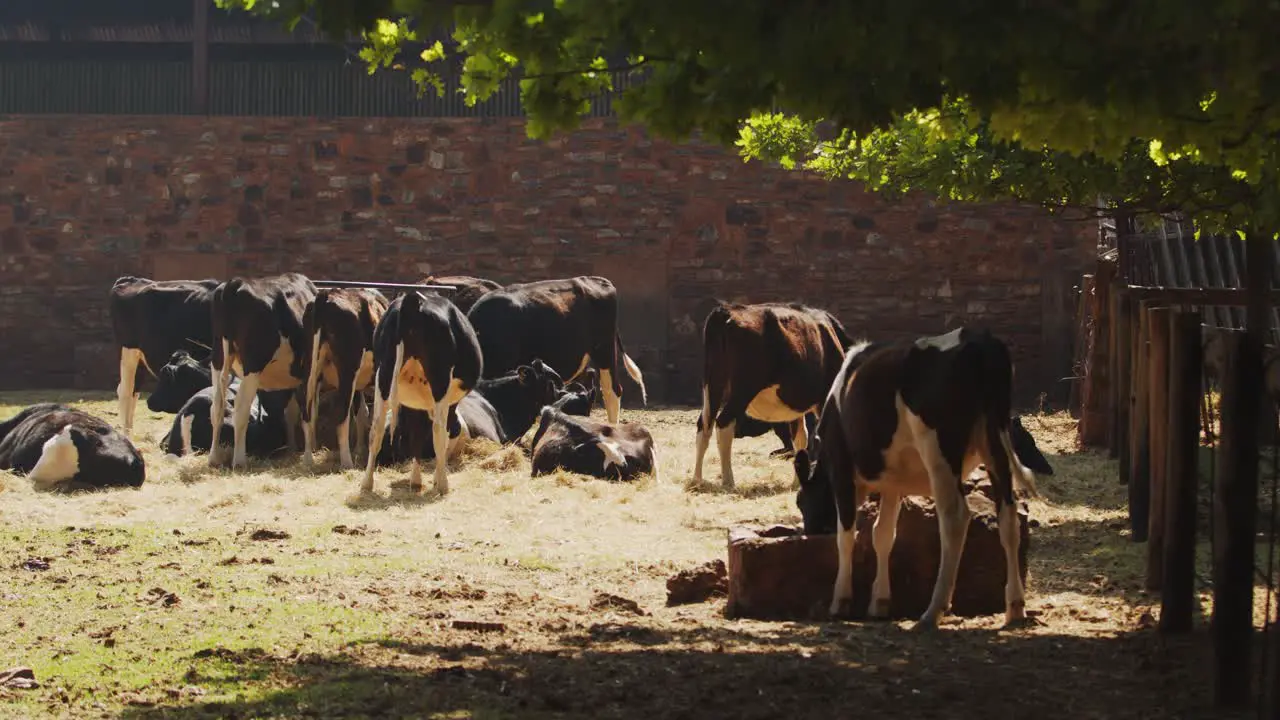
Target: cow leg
(217, 409)
(377, 426)
(440, 442)
(848, 500)
(292, 419)
(1015, 599)
(311, 403)
(883, 533)
(705, 423)
(612, 390)
(240, 418)
(788, 448)
(953, 524)
(184, 428)
(126, 395)
(724, 441)
(362, 425)
(346, 394)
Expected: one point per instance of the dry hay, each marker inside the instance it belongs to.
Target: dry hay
(481, 603)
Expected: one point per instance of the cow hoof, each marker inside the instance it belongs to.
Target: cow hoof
(927, 623)
(878, 609)
(840, 609)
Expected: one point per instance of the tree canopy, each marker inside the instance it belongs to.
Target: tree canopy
(1163, 102)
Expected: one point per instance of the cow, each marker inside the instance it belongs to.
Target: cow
(258, 333)
(340, 324)
(56, 445)
(915, 417)
(178, 381)
(475, 417)
(769, 361)
(818, 513)
(426, 357)
(265, 434)
(150, 320)
(620, 451)
(467, 289)
(746, 426)
(568, 323)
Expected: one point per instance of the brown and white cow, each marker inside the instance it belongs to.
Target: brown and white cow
(769, 361)
(258, 333)
(568, 323)
(340, 323)
(916, 418)
(151, 320)
(467, 289)
(426, 358)
(620, 451)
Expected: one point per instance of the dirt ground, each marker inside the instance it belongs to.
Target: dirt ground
(275, 593)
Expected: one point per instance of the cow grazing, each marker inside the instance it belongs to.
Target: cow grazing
(54, 444)
(467, 289)
(569, 323)
(340, 324)
(769, 361)
(426, 357)
(611, 451)
(915, 418)
(151, 320)
(258, 333)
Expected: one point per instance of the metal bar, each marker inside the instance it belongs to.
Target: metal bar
(1194, 296)
(379, 285)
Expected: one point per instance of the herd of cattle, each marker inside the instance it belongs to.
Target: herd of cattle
(246, 364)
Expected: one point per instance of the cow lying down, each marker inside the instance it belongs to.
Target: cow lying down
(184, 387)
(612, 451)
(55, 445)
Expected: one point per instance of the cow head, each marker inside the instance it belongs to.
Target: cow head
(179, 379)
(816, 503)
(540, 383)
(1025, 448)
(579, 397)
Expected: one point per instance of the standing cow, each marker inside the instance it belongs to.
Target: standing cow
(340, 323)
(770, 361)
(569, 323)
(426, 358)
(151, 320)
(258, 333)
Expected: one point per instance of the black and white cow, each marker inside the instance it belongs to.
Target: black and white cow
(467, 289)
(915, 418)
(184, 386)
(150, 320)
(340, 323)
(426, 357)
(620, 451)
(258, 333)
(768, 361)
(568, 323)
(55, 445)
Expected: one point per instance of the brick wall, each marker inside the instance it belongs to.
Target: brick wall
(84, 199)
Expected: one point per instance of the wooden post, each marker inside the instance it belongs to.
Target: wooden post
(1178, 589)
(1157, 429)
(1139, 437)
(1115, 344)
(200, 57)
(1235, 512)
(1086, 318)
(1122, 350)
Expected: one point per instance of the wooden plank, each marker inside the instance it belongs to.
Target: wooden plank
(200, 57)
(1235, 512)
(1235, 297)
(1139, 437)
(1114, 354)
(1178, 589)
(1157, 443)
(1124, 348)
(1085, 317)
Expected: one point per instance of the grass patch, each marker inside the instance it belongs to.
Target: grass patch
(160, 603)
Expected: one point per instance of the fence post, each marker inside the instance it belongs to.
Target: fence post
(1182, 464)
(1122, 354)
(1139, 440)
(1235, 512)
(1157, 381)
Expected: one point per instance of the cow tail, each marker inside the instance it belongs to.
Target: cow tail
(1006, 471)
(632, 369)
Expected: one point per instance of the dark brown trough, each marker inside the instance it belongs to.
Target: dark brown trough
(776, 573)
